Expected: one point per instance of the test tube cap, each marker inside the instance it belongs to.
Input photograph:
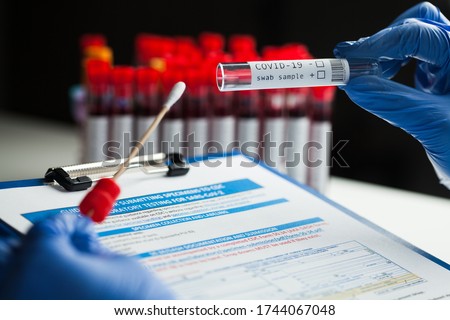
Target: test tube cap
(92, 39)
(99, 52)
(242, 43)
(325, 93)
(122, 74)
(146, 76)
(185, 44)
(98, 73)
(211, 41)
(99, 202)
(122, 80)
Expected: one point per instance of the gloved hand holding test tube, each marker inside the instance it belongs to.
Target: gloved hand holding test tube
(421, 35)
(365, 69)
(275, 74)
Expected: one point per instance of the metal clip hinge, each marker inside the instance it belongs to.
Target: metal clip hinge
(81, 176)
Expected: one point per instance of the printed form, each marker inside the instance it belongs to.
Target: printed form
(231, 229)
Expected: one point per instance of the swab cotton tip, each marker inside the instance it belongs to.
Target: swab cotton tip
(175, 94)
(99, 202)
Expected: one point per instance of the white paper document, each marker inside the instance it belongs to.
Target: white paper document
(232, 229)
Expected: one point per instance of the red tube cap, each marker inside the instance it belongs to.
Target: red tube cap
(92, 39)
(100, 200)
(211, 41)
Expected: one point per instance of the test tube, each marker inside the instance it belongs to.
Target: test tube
(298, 124)
(172, 127)
(222, 121)
(319, 151)
(291, 73)
(273, 127)
(99, 103)
(196, 111)
(121, 113)
(147, 105)
(249, 104)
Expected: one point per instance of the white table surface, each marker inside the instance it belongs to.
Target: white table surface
(29, 146)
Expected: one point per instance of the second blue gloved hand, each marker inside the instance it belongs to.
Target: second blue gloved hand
(422, 33)
(61, 258)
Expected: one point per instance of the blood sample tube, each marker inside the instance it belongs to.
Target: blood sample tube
(298, 122)
(248, 117)
(121, 115)
(196, 110)
(172, 127)
(298, 104)
(147, 102)
(223, 120)
(99, 104)
(320, 142)
(273, 124)
(92, 47)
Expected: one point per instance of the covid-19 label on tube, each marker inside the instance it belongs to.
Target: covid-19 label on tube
(290, 73)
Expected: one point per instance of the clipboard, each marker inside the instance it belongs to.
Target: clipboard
(234, 228)
(78, 177)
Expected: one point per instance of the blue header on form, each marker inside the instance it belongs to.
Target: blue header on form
(162, 199)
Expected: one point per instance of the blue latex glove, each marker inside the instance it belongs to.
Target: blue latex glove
(8, 246)
(61, 258)
(421, 33)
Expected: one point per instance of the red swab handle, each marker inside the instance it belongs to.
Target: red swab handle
(98, 203)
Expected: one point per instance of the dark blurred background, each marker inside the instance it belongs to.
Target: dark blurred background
(40, 60)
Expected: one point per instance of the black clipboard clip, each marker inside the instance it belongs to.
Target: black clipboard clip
(81, 176)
